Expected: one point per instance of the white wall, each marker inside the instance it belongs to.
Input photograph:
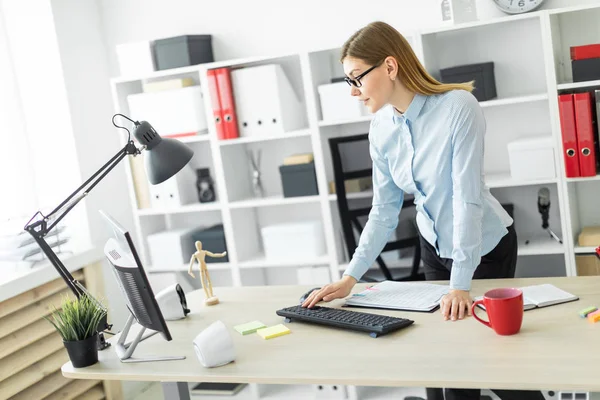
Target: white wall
(242, 28)
(85, 68)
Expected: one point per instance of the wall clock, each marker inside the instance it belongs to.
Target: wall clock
(518, 6)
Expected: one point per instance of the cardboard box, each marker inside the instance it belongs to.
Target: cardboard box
(589, 236)
(587, 265)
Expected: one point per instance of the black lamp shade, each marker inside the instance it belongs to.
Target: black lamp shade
(164, 157)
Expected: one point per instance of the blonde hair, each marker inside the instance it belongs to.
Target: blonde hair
(378, 40)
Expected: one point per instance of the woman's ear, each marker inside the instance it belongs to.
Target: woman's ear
(391, 66)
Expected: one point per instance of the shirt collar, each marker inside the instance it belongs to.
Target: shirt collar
(413, 110)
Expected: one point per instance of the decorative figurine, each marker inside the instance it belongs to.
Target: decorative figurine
(200, 256)
(257, 187)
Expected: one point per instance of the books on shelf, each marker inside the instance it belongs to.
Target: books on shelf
(544, 295)
(406, 296)
(218, 388)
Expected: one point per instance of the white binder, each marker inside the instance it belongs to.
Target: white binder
(265, 102)
(176, 191)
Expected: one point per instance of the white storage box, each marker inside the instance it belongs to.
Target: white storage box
(293, 241)
(338, 104)
(313, 276)
(265, 101)
(135, 58)
(532, 158)
(171, 249)
(178, 112)
(176, 191)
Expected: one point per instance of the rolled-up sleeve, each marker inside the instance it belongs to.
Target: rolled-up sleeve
(467, 168)
(383, 217)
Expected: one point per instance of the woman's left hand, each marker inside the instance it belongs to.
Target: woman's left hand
(456, 304)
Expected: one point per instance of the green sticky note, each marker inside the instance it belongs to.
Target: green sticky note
(249, 327)
(584, 313)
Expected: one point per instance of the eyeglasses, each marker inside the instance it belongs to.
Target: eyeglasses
(356, 81)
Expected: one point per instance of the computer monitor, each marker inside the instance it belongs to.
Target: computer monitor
(137, 292)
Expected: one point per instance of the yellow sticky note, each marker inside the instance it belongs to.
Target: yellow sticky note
(273, 331)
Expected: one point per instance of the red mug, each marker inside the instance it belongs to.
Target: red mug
(504, 308)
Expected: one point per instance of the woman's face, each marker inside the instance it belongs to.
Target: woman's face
(375, 87)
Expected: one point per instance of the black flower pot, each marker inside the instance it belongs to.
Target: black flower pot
(84, 352)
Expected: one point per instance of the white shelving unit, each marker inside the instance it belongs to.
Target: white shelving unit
(531, 55)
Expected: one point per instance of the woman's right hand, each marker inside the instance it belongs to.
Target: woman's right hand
(336, 290)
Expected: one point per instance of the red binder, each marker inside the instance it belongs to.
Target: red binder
(230, 124)
(585, 133)
(213, 89)
(569, 135)
(585, 52)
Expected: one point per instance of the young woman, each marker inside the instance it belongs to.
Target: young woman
(426, 139)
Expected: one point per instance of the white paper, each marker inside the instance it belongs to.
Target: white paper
(401, 295)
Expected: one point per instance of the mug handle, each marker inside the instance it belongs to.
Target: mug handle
(475, 304)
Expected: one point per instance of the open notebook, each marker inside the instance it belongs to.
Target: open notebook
(544, 295)
(407, 296)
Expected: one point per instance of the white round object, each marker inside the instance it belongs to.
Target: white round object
(518, 6)
(214, 346)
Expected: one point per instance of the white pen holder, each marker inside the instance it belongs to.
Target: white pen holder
(214, 346)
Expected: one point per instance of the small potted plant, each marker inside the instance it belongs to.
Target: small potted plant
(77, 322)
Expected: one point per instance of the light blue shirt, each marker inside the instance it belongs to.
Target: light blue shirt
(433, 151)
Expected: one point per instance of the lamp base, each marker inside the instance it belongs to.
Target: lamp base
(211, 301)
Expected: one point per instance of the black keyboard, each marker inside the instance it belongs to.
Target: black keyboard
(375, 324)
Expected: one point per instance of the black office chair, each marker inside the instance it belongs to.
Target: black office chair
(350, 217)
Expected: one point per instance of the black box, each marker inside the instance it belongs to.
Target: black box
(213, 240)
(299, 180)
(586, 70)
(482, 74)
(182, 51)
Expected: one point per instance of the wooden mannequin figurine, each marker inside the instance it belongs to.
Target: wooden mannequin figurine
(200, 256)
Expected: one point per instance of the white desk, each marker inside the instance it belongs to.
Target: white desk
(556, 349)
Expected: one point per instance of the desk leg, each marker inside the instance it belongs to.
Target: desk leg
(175, 390)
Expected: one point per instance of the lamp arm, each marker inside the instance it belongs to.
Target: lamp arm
(41, 227)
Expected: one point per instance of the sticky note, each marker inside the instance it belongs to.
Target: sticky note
(249, 327)
(594, 317)
(273, 331)
(584, 313)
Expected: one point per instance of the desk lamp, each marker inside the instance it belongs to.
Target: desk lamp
(164, 157)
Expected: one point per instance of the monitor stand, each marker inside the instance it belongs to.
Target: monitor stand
(125, 350)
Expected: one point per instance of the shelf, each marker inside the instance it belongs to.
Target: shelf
(578, 85)
(404, 262)
(261, 262)
(539, 246)
(256, 139)
(273, 201)
(584, 179)
(480, 23)
(514, 100)
(367, 194)
(167, 73)
(184, 268)
(490, 103)
(155, 392)
(189, 208)
(200, 137)
(585, 250)
(503, 179)
(383, 393)
(346, 121)
(277, 392)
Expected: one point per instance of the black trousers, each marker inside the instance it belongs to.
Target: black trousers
(498, 263)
